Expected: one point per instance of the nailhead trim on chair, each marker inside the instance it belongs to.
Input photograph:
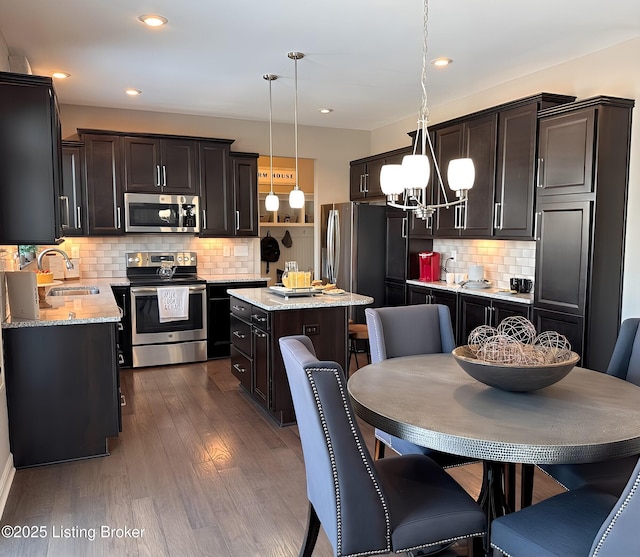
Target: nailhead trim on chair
(622, 508)
(338, 378)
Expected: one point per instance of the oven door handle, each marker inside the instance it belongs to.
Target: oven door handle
(154, 289)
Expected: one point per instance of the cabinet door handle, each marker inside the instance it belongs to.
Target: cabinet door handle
(497, 207)
(361, 183)
(157, 175)
(78, 217)
(429, 222)
(118, 220)
(404, 227)
(536, 221)
(540, 170)
(239, 335)
(237, 220)
(204, 219)
(238, 368)
(66, 211)
(486, 316)
(164, 176)
(366, 182)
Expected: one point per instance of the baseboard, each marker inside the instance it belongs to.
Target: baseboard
(5, 482)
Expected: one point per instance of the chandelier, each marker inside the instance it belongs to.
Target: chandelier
(405, 185)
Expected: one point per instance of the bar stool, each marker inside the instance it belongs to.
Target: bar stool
(358, 331)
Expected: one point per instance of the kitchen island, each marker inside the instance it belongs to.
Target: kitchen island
(62, 377)
(259, 317)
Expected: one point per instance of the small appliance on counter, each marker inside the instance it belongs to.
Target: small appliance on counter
(429, 263)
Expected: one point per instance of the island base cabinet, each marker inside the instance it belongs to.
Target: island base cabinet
(62, 392)
(256, 360)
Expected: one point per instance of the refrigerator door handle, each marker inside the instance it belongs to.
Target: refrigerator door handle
(333, 245)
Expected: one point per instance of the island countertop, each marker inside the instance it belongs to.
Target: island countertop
(267, 300)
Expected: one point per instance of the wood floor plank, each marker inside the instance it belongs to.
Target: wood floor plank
(198, 465)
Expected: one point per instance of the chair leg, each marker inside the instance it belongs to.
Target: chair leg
(378, 451)
(526, 485)
(311, 535)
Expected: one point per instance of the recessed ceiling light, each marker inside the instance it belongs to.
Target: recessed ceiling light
(60, 75)
(133, 92)
(441, 62)
(325, 110)
(153, 20)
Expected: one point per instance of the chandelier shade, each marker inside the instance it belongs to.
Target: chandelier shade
(406, 189)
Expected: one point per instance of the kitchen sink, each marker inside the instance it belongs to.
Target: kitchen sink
(73, 291)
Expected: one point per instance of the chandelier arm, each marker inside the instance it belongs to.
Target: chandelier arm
(429, 207)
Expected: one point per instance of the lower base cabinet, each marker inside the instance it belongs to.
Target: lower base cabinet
(479, 310)
(255, 354)
(567, 324)
(421, 295)
(62, 391)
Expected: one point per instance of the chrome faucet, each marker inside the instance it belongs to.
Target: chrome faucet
(61, 252)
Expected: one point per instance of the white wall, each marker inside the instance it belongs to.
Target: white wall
(7, 470)
(615, 72)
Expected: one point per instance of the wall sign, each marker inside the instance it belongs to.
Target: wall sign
(281, 176)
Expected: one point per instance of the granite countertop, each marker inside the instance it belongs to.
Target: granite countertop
(267, 300)
(212, 279)
(498, 293)
(75, 310)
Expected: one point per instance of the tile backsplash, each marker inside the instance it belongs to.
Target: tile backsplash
(501, 259)
(104, 257)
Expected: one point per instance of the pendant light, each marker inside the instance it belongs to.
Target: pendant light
(271, 202)
(296, 196)
(405, 185)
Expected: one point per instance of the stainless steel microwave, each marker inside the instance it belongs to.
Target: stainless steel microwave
(152, 212)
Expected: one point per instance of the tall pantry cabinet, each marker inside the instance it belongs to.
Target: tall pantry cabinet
(580, 223)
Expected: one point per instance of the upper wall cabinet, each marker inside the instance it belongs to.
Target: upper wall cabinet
(73, 186)
(364, 174)
(244, 170)
(30, 161)
(104, 191)
(155, 164)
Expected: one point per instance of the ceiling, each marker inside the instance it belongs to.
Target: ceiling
(363, 58)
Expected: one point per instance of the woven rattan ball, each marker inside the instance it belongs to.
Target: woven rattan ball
(501, 349)
(518, 328)
(479, 336)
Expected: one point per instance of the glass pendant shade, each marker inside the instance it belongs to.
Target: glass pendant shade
(271, 202)
(392, 179)
(296, 199)
(461, 174)
(417, 171)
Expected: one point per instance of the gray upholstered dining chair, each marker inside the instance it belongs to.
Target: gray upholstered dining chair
(611, 475)
(585, 522)
(366, 507)
(406, 331)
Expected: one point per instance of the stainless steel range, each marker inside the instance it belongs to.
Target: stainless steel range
(157, 339)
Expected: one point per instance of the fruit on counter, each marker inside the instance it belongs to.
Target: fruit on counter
(44, 277)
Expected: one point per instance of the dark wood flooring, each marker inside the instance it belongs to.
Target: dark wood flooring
(198, 466)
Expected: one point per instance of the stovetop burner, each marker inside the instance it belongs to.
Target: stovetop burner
(143, 268)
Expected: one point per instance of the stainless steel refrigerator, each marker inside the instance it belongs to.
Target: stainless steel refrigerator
(353, 250)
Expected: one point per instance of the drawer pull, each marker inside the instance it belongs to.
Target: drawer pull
(239, 308)
(259, 318)
(239, 335)
(238, 368)
(259, 334)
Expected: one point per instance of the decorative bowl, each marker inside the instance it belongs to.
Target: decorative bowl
(508, 377)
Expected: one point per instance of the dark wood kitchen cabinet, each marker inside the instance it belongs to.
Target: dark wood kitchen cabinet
(424, 295)
(30, 161)
(62, 398)
(481, 310)
(580, 222)
(73, 188)
(244, 173)
(255, 354)
(475, 139)
(218, 311)
(160, 164)
(364, 174)
(104, 189)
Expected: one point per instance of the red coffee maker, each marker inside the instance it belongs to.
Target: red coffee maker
(429, 262)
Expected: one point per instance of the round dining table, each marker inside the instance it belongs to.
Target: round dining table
(430, 400)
